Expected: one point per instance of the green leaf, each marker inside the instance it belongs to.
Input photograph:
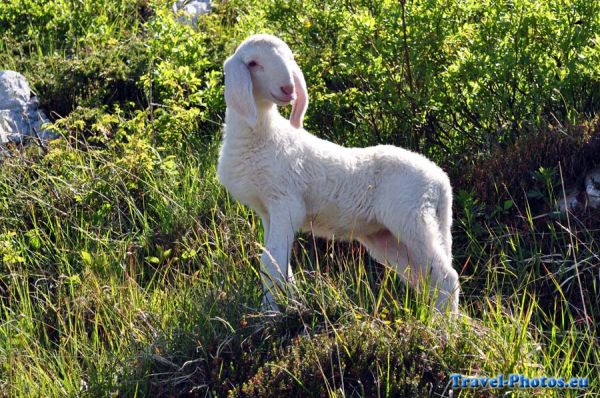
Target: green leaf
(153, 260)
(73, 280)
(86, 257)
(188, 254)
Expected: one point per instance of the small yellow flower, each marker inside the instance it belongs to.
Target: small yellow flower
(307, 23)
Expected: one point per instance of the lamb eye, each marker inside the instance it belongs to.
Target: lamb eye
(252, 64)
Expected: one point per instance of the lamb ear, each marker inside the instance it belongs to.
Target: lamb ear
(238, 90)
(301, 102)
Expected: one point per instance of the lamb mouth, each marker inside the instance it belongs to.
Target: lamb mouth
(283, 100)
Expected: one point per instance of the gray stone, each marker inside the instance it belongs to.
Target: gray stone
(189, 11)
(20, 116)
(14, 90)
(569, 201)
(592, 188)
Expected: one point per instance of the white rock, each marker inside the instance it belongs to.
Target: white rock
(14, 90)
(20, 115)
(570, 203)
(592, 188)
(189, 11)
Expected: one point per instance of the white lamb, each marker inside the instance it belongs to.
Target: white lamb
(395, 202)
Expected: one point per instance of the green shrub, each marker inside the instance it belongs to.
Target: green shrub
(367, 359)
(34, 26)
(450, 78)
(183, 84)
(509, 173)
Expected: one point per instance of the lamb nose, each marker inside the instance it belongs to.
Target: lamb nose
(287, 90)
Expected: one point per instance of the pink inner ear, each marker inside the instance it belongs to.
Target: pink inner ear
(301, 102)
(238, 90)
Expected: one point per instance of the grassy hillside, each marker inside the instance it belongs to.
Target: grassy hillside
(126, 270)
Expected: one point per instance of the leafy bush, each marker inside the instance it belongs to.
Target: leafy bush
(509, 173)
(183, 84)
(371, 361)
(33, 25)
(451, 78)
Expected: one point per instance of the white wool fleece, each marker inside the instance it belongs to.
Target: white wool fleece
(397, 203)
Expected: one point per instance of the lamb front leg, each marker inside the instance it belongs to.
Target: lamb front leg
(285, 218)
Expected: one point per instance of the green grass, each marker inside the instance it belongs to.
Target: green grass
(126, 270)
(164, 299)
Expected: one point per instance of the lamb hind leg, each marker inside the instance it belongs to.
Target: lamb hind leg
(412, 263)
(433, 259)
(428, 251)
(386, 249)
